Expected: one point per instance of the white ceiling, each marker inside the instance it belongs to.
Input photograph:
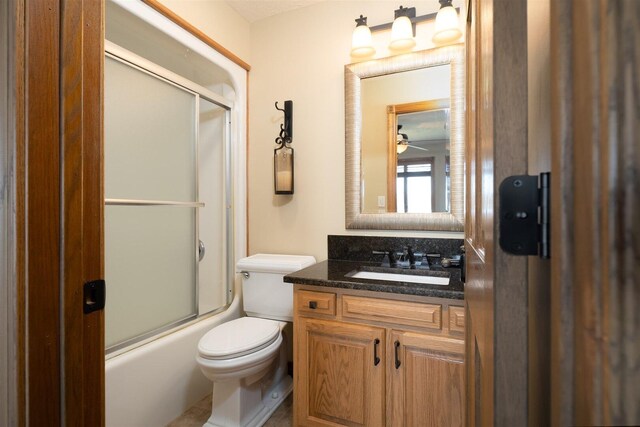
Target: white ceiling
(255, 10)
(432, 125)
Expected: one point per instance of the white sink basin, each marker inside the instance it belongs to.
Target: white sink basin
(394, 277)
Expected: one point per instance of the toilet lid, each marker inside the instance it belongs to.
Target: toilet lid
(238, 337)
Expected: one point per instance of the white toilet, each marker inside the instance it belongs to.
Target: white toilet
(246, 358)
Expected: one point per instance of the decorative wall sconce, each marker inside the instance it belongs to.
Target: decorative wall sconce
(283, 154)
(403, 29)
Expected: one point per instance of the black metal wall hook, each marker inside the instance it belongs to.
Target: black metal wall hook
(286, 129)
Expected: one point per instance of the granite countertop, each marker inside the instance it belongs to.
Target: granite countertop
(332, 273)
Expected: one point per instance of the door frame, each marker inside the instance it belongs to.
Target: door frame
(55, 191)
(595, 241)
(496, 290)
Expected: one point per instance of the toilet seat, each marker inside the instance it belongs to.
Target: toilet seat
(238, 338)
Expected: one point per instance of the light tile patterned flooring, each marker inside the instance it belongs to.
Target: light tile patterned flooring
(199, 413)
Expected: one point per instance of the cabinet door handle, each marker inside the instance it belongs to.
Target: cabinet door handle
(376, 359)
(397, 346)
(313, 305)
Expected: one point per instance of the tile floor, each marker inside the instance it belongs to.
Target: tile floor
(198, 414)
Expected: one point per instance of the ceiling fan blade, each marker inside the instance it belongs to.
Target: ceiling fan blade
(418, 148)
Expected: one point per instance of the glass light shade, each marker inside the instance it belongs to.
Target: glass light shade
(361, 44)
(402, 147)
(402, 34)
(283, 170)
(447, 28)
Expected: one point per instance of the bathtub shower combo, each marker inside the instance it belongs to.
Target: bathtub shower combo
(175, 159)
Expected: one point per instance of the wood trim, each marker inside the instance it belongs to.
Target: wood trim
(414, 107)
(510, 144)
(82, 65)
(496, 289)
(595, 292)
(246, 167)
(92, 225)
(169, 14)
(325, 303)
(42, 118)
(456, 319)
(57, 81)
(392, 159)
(18, 159)
(397, 312)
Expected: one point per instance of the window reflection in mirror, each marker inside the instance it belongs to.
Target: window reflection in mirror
(405, 141)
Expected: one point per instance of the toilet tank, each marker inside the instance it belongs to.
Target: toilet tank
(264, 293)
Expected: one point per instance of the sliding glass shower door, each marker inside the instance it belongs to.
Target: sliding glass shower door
(165, 262)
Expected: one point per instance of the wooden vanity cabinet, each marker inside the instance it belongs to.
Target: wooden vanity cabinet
(426, 380)
(345, 372)
(363, 360)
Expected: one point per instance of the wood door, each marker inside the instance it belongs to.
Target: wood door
(57, 87)
(338, 380)
(425, 380)
(595, 222)
(496, 283)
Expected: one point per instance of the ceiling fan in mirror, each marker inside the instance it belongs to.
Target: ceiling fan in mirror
(404, 143)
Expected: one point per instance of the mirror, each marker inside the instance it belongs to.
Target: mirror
(405, 142)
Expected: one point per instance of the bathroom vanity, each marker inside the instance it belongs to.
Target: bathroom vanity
(376, 352)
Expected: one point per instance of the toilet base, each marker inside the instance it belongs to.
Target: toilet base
(236, 399)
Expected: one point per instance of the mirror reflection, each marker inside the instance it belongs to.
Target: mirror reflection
(406, 141)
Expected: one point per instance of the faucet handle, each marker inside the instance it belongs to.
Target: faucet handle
(388, 253)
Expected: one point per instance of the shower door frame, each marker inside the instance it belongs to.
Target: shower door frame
(126, 57)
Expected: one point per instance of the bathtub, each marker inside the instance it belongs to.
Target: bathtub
(155, 383)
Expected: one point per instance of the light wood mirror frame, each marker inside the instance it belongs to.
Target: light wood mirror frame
(353, 74)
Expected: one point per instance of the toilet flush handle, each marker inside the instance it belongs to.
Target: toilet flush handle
(245, 274)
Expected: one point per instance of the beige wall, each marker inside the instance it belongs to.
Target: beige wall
(218, 20)
(300, 56)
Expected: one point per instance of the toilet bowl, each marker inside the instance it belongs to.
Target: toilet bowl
(246, 358)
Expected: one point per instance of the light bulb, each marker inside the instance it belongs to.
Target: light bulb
(402, 34)
(361, 44)
(447, 29)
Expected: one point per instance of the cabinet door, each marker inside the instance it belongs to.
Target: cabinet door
(426, 380)
(340, 374)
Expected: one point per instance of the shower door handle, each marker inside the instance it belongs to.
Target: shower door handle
(201, 250)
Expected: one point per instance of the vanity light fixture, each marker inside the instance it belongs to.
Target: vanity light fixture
(283, 154)
(447, 26)
(361, 43)
(403, 29)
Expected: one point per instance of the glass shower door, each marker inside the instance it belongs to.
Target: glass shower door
(151, 191)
